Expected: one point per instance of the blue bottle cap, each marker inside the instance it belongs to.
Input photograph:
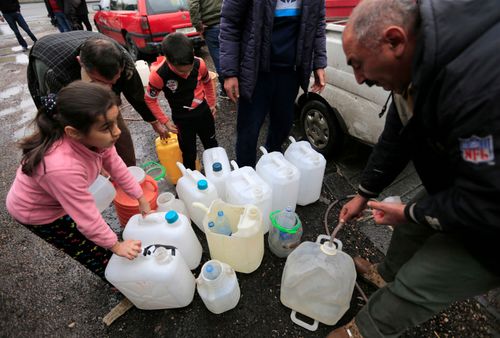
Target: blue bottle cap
(220, 213)
(217, 166)
(211, 224)
(171, 216)
(209, 268)
(202, 184)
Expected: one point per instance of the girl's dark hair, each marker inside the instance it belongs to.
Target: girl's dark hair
(78, 105)
(178, 49)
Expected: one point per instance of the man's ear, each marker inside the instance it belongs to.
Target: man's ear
(72, 132)
(79, 61)
(396, 38)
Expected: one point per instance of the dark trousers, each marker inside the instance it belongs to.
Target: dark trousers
(211, 36)
(426, 271)
(14, 19)
(203, 126)
(83, 19)
(64, 235)
(274, 93)
(62, 23)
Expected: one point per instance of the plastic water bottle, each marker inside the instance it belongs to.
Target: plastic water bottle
(222, 225)
(212, 271)
(287, 220)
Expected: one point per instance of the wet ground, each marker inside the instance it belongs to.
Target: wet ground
(44, 293)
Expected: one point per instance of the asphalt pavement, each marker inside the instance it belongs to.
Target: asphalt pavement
(44, 293)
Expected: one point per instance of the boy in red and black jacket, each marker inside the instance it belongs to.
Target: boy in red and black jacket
(186, 83)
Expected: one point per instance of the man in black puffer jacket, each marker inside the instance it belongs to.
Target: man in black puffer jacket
(445, 117)
(11, 12)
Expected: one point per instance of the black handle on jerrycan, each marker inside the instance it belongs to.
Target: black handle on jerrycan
(147, 252)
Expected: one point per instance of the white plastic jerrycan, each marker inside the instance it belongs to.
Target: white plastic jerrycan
(217, 169)
(166, 201)
(282, 176)
(157, 279)
(245, 186)
(318, 281)
(143, 70)
(194, 187)
(218, 286)
(169, 228)
(311, 165)
(244, 249)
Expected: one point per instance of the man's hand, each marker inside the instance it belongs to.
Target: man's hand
(129, 249)
(171, 126)
(319, 81)
(353, 208)
(231, 86)
(388, 213)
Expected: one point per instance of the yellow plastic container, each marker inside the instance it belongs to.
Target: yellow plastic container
(169, 154)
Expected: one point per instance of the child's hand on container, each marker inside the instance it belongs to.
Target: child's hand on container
(213, 110)
(144, 206)
(171, 126)
(161, 129)
(129, 249)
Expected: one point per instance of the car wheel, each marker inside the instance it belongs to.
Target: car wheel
(132, 47)
(321, 128)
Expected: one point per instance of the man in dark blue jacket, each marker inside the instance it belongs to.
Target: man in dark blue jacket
(445, 118)
(267, 50)
(11, 12)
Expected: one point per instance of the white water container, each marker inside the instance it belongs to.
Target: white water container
(194, 187)
(166, 201)
(244, 249)
(245, 186)
(282, 176)
(103, 192)
(169, 228)
(158, 280)
(311, 165)
(318, 281)
(143, 70)
(218, 286)
(217, 169)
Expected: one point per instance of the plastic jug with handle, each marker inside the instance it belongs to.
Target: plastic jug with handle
(157, 279)
(194, 187)
(244, 249)
(169, 228)
(282, 176)
(143, 70)
(218, 286)
(245, 186)
(103, 192)
(166, 201)
(285, 232)
(318, 281)
(311, 165)
(217, 169)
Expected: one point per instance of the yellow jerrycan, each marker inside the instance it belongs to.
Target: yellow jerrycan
(169, 154)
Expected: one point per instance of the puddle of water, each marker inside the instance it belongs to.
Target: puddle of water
(10, 92)
(22, 59)
(5, 30)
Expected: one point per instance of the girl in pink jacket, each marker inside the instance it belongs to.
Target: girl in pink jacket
(74, 140)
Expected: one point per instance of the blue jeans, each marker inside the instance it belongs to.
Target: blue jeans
(14, 19)
(211, 36)
(274, 93)
(62, 22)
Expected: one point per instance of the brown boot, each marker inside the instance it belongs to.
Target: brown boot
(368, 272)
(350, 330)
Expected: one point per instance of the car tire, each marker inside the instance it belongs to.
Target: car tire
(320, 127)
(132, 47)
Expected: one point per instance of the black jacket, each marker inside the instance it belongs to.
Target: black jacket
(453, 137)
(9, 6)
(59, 52)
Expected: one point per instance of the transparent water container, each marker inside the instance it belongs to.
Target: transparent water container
(103, 192)
(218, 286)
(317, 282)
(194, 187)
(244, 249)
(245, 186)
(285, 233)
(170, 228)
(311, 165)
(166, 201)
(282, 176)
(217, 169)
(157, 279)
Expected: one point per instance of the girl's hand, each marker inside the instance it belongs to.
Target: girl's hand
(172, 127)
(388, 213)
(129, 249)
(144, 206)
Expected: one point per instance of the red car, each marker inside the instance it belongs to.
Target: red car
(140, 25)
(339, 9)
